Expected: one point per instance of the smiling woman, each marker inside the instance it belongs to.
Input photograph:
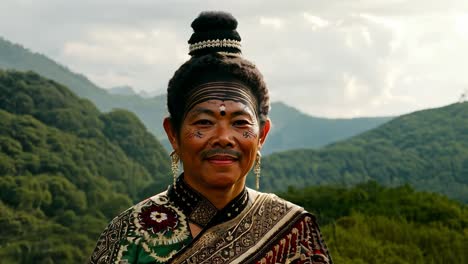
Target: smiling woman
(218, 105)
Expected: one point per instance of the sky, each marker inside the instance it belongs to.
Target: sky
(337, 59)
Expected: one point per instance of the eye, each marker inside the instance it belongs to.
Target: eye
(241, 123)
(203, 122)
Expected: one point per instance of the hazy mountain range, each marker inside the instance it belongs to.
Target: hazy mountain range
(426, 148)
(291, 128)
(128, 90)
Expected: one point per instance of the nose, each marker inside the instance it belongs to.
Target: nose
(224, 136)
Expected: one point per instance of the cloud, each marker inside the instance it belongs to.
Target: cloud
(276, 23)
(461, 24)
(329, 58)
(123, 45)
(137, 55)
(315, 21)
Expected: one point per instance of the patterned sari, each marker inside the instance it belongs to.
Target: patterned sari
(253, 228)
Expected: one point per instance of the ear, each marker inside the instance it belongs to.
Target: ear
(264, 132)
(171, 133)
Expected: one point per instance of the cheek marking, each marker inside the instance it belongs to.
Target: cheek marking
(193, 134)
(249, 134)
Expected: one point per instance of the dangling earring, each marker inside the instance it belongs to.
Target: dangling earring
(257, 169)
(175, 166)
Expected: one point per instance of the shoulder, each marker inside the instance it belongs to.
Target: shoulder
(274, 200)
(158, 220)
(153, 225)
(154, 218)
(160, 200)
(296, 223)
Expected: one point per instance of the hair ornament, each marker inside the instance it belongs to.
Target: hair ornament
(217, 43)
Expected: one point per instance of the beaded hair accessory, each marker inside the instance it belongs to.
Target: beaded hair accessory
(217, 43)
(223, 91)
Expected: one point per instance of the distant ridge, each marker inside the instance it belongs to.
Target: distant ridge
(150, 110)
(122, 90)
(427, 149)
(293, 129)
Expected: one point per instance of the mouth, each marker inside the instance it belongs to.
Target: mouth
(222, 159)
(227, 155)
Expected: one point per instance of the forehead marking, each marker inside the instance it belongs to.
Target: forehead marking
(222, 109)
(223, 91)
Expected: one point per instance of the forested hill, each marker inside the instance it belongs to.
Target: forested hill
(66, 169)
(427, 149)
(291, 128)
(370, 224)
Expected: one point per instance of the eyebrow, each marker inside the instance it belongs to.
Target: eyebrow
(200, 110)
(240, 113)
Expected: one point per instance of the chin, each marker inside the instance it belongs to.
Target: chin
(225, 181)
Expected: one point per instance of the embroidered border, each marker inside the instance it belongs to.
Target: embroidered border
(109, 241)
(234, 243)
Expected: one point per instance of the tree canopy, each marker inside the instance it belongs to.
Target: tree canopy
(66, 169)
(370, 223)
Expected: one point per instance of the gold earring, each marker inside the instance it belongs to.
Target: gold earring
(257, 170)
(175, 166)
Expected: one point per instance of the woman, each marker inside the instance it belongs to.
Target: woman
(218, 105)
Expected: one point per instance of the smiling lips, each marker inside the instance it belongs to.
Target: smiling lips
(222, 159)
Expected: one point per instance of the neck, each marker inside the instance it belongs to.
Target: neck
(218, 207)
(219, 197)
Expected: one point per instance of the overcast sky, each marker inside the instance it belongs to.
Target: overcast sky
(327, 58)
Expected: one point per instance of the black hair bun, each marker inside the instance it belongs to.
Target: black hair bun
(214, 31)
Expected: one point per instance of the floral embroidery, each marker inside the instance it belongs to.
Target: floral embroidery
(159, 223)
(156, 218)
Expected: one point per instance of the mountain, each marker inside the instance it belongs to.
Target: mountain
(130, 91)
(150, 110)
(122, 90)
(291, 128)
(427, 149)
(148, 94)
(66, 169)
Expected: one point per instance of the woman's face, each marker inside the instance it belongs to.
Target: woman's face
(218, 144)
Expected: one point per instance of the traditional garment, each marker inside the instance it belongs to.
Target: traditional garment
(253, 228)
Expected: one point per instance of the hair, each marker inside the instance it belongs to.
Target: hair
(214, 63)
